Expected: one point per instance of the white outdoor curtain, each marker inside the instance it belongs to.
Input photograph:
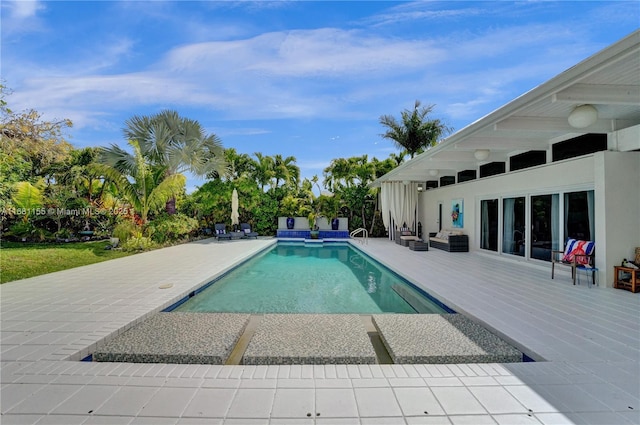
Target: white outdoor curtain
(485, 225)
(590, 208)
(385, 201)
(398, 204)
(509, 224)
(234, 208)
(555, 221)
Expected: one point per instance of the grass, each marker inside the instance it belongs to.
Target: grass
(22, 260)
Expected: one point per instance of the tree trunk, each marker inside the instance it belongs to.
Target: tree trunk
(170, 206)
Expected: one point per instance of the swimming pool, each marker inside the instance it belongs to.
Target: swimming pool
(294, 278)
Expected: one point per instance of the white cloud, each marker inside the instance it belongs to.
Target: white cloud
(23, 9)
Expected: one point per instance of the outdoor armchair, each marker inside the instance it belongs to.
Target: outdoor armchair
(221, 232)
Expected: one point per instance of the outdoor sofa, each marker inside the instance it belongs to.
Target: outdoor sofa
(449, 240)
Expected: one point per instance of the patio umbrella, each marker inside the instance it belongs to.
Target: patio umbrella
(234, 208)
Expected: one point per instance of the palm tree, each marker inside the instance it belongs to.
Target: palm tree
(262, 170)
(146, 188)
(286, 170)
(415, 132)
(176, 145)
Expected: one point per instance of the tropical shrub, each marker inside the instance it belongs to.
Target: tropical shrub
(169, 228)
(124, 230)
(138, 243)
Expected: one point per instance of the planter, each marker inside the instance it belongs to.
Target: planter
(315, 234)
(335, 224)
(290, 222)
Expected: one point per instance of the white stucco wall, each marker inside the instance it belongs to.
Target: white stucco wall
(614, 177)
(618, 213)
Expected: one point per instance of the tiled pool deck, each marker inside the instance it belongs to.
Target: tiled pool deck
(590, 338)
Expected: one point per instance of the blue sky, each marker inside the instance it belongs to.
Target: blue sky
(308, 79)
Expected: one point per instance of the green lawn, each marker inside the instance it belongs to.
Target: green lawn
(22, 260)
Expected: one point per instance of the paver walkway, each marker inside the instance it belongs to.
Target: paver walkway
(590, 338)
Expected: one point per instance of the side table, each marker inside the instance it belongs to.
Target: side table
(626, 278)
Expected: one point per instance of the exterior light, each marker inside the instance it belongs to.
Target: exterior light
(420, 187)
(583, 116)
(433, 172)
(406, 182)
(481, 154)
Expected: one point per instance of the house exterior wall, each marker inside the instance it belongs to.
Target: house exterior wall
(614, 177)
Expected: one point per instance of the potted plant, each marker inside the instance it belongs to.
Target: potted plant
(313, 225)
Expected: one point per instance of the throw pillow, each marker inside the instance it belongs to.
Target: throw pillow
(247, 230)
(220, 231)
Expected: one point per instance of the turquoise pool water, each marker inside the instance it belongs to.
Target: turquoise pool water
(293, 278)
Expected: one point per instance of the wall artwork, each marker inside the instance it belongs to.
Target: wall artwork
(457, 212)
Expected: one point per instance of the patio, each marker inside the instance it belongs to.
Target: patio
(589, 337)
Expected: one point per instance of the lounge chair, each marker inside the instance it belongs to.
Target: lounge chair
(221, 232)
(247, 231)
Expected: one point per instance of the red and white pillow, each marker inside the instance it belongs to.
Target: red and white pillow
(580, 248)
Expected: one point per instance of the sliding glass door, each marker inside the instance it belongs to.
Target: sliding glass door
(513, 226)
(544, 226)
(489, 224)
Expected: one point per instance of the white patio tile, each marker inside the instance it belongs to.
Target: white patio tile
(497, 400)
(61, 420)
(108, 420)
(246, 421)
(127, 401)
(294, 403)
(251, 403)
(376, 402)
(210, 403)
(383, 421)
(86, 401)
(472, 420)
(531, 398)
(200, 421)
(418, 402)
(556, 419)
(444, 382)
(428, 420)
(516, 419)
(573, 399)
(336, 403)
(12, 394)
(20, 419)
(168, 402)
(45, 400)
(336, 421)
(457, 401)
(406, 382)
(154, 421)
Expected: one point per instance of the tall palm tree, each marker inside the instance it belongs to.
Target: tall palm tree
(176, 145)
(286, 170)
(415, 132)
(262, 170)
(146, 188)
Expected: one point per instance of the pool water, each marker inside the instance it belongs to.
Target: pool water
(294, 278)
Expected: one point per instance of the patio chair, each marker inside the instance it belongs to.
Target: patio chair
(576, 254)
(247, 231)
(221, 232)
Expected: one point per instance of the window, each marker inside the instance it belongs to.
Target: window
(492, 169)
(581, 145)
(527, 159)
(578, 215)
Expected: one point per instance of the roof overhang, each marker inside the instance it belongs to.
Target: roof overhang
(608, 80)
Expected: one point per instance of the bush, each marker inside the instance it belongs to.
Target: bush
(125, 230)
(170, 228)
(138, 243)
